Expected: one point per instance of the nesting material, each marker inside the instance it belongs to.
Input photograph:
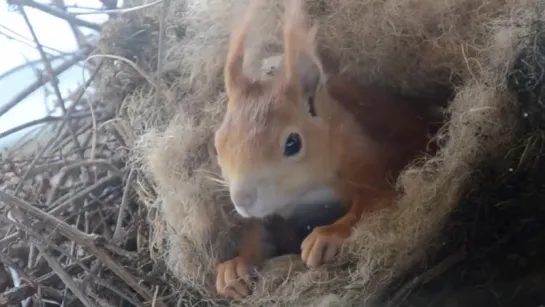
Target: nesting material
(465, 49)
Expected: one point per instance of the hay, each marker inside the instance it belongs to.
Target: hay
(463, 49)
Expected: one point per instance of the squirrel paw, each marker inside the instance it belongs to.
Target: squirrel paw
(323, 244)
(232, 278)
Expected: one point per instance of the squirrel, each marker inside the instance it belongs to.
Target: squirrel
(300, 138)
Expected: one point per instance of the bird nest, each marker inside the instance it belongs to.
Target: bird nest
(467, 228)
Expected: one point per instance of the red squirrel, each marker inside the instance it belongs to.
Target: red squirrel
(301, 137)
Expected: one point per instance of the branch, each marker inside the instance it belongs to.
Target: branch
(30, 63)
(47, 64)
(55, 12)
(59, 129)
(65, 277)
(43, 120)
(78, 56)
(19, 38)
(91, 243)
(16, 295)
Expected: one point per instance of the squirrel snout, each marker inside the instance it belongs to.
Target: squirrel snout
(244, 198)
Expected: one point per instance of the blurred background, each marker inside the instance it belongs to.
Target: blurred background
(66, 32)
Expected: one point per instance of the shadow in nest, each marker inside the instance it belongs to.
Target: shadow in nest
(492, 248)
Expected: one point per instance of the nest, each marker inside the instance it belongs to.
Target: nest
(468, 222)
(73, 230)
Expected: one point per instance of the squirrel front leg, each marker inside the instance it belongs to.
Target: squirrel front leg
(324, 242)
(233, 275)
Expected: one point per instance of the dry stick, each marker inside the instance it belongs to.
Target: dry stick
(88, 242)
(46, 119)
(56, 12)
(119, 292)
(67, 230)
(15, 36)
(62, 142)
(117, 236)
(9, 239)
(27, 64)
(66, 279)
(39, 155)
(54, 81)
(58, 207)
(16, 295)
(48, 241)
(66, 169)
(78, 56)
(35, 234)
(71, 268)
(10, 263)
(160, 51)
(47, 64)
(121, 10)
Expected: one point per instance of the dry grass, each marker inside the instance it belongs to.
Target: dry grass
(416, 47)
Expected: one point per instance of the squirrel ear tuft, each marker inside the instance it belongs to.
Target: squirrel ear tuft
(234, 76)
(303, 67)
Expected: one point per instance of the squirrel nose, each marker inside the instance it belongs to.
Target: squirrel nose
(244, 198)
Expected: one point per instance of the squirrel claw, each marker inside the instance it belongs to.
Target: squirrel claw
(232, 278)
(323, 244)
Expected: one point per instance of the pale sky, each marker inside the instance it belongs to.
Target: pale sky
(52, 32)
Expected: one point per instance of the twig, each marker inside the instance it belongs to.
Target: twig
(117, 236)
(57, 13)
(29, 63)
(38, 236)
(47, 64)
(88, 242)
(9, 239)
(54, 81)
(58, 207)
(16, 295)
(126, 276)
(51, 141)
(160, 51)
(16, 36)
(66, 169)
(43, 120)
(122, 10)
(78, 56)
(94, 131)
(67, 230)
(10, 263)
(115, 290)
(66, 279)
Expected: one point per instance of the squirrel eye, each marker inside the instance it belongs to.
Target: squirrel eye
(293, 145)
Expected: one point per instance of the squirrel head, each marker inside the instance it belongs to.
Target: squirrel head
(274, 145)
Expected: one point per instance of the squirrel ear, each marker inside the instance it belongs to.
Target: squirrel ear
(308, 74)
(303, 68)
(234, 76)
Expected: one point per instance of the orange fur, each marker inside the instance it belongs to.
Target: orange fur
(359, 139)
